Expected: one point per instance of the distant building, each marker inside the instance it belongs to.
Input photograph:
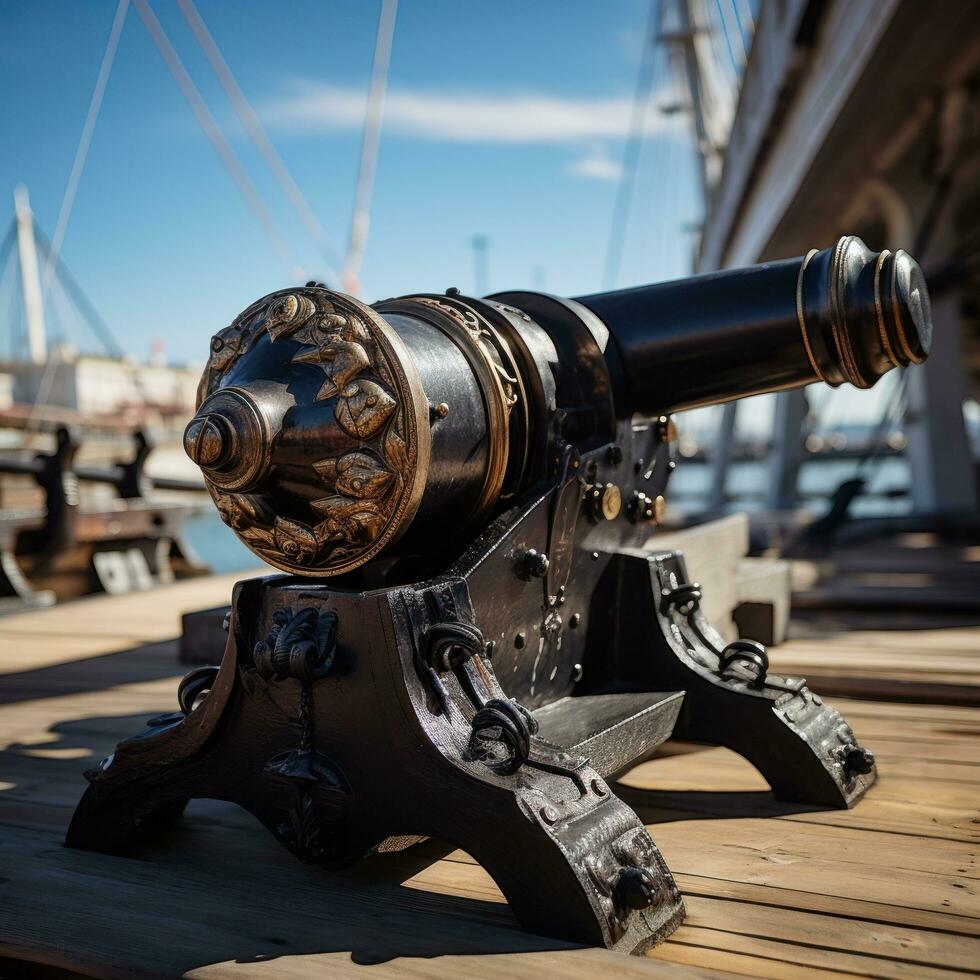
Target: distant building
(100, 388)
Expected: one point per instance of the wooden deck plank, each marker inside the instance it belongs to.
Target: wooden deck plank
(104, 624)
(889, 888)
(924, 665)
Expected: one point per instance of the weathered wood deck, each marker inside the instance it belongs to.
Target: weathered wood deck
(888, 889)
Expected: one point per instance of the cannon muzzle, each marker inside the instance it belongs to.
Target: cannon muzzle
(843, 314)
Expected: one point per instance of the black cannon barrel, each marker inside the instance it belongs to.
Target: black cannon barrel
(843, 314)
(330, 432)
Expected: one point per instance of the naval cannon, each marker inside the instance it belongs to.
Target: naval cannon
(477, 632)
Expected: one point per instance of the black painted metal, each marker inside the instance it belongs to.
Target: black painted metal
(743, 332)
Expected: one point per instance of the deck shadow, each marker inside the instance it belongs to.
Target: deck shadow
(668, 806)
(228, 891)
(134, 665)
(222, 886)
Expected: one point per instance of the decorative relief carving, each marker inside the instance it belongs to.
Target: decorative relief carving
(364, 488)
(481, 336)
(363, 408)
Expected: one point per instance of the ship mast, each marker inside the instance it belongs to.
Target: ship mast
(30, 279)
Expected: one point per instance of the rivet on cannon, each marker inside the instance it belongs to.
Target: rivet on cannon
(533, 564)
(437, 412)
(640, 508)
(858, 760)
(603, 501)
(635, 888)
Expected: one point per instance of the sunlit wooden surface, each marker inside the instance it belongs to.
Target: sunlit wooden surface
(887, 889)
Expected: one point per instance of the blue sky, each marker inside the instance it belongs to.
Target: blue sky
(505, 119)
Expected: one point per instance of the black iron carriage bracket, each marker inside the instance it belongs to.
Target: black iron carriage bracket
(805, 750)
(349, 722)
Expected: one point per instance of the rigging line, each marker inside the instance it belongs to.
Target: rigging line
(370, 142)
(736, 53)
(726, 72)
(667, 174)
(8, 243)
(257, 133)
(209, 124)
(655, 167)
(742, 26)
(72, 290)
(893, 411)
(631, 151)
(85, 140)
(745, 16)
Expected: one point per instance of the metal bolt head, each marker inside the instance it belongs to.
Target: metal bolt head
(549, 814)
(666, 429)
(577, 673)
(612, 502)
(520, 641)
(603, 502)
(858, 760)
(207, 440)
(635, 888)
(534, 564)
(574, 620)
(641, 508)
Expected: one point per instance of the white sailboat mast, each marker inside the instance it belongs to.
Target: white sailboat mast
(30, 279)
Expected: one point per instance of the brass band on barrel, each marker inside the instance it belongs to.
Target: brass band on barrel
(912, 356)
(500, 387)
(849, 315)
(814, 363)
(847, 360)
(886, 343)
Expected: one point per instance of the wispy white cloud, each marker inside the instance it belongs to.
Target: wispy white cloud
(462, 117)
(595, 165)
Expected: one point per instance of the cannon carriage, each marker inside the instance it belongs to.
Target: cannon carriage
(477, 632)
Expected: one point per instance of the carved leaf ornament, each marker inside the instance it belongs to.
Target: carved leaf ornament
(362, 488)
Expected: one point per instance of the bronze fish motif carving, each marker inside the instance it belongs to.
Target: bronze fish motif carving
(346, 361)
(226, 345)
(241, 511)
(347, 521)
(295, 540)
(287, 314)
(364, 408)
(358, 475)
